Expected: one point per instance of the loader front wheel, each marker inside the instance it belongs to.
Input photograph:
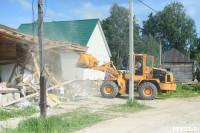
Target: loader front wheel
(109, 89)
(147, 91)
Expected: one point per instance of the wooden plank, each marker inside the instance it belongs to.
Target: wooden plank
(61, 84)
(29, 79)
(54, 46)
(32, 87)
(36, 64)
(9, 90)
(8, 28)
(7, 51)
(54, 81)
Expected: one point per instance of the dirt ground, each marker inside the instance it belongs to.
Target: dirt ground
(166, 116)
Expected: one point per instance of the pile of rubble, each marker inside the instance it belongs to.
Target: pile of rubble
(57, 91)
(20, 72)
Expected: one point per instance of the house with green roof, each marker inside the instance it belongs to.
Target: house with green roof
(87, 33)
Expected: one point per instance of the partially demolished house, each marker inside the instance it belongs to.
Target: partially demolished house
(182, 67)
(88, 33)
(19, 64)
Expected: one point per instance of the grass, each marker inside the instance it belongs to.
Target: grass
(129, 106)
(71, 121)
(182, 91)
(26, 111)
(68, 122)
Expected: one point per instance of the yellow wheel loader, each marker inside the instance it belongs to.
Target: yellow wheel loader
(148, 80)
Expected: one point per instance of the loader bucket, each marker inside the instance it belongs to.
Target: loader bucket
(87, 61)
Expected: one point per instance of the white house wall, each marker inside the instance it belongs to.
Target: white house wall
(97, 47)
(68, 65)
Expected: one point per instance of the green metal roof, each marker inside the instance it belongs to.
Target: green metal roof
(77, 31)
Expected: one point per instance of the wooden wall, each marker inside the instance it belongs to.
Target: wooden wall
(182, 72)
(7, 52)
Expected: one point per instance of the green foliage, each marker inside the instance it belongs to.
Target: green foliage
(183, 91)
(116, 30)
(26, 111)
(197, 57)
(178, 29)
(55, 124)
(194, 50)
(130, 106)
(147, 44)
(197, 87)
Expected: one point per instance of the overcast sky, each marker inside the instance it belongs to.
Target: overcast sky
(15, 12)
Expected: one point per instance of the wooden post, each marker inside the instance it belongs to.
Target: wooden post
(43, 103)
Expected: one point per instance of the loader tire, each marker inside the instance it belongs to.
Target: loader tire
(109, 89)
(147, 91)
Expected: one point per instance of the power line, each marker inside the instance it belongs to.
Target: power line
(148, 6)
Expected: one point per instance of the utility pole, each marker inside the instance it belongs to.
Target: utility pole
(160, 52)
(160, 59)
(131, 78)
(43, 104)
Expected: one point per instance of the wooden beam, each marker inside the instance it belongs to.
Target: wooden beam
(32, 87)
(54, 81)
(36, 64)
(61, 84)
(9, 90)
(55, 46)
(29, 79)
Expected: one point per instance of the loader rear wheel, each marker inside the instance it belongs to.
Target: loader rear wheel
(147, 91)
(109, 89)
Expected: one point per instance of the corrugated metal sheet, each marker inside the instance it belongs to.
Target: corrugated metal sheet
(77, 31)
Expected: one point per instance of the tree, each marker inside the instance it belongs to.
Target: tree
(178, 29)
(147, 44)
(195, 50)
(116, 30)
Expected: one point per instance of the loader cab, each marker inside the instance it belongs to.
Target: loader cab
(145, 70)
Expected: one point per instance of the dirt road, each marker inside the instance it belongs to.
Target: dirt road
(168, 115)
